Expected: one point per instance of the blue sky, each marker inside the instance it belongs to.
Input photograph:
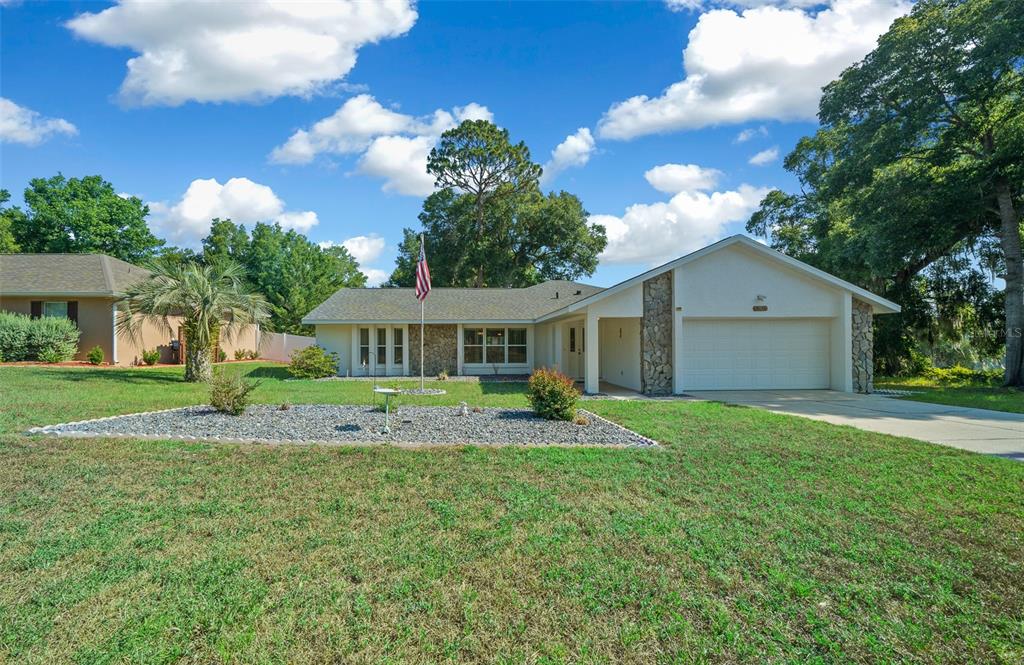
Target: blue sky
(213, 90)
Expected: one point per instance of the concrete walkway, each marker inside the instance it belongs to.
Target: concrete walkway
(977, 430)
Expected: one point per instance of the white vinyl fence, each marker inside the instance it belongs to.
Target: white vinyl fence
(280, 346)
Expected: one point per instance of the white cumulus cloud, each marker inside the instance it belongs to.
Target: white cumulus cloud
(761, 63)
(675, 178)
(764, 157)
(239, 51)
(23, 125)
(365, 250)
(750, 133)
(652, 233)
(392, 146)
(575, 150)
(239, 199)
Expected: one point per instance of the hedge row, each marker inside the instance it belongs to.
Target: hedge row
(48, 339)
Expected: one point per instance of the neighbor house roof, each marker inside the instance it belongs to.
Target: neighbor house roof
(81, 275)
(449, 305)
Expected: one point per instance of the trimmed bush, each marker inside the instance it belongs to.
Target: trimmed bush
(23, 338)
(313, 362)
(151, 357)
(95, 355)
(959, 375)
(14, 336)
(51, 356)
(552, 395)
(229, 392)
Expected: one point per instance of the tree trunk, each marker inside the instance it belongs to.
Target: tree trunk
(197, 363)
(1010, 241)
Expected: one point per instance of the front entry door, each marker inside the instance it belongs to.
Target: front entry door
(575, 341)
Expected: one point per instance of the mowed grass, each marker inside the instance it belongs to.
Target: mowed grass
(750, 536)
(32, 396)
(974, 395)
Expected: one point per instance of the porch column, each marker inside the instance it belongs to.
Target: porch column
(591, 378)
(556, 336)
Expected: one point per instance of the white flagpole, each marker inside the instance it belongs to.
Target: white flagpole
(422, 301)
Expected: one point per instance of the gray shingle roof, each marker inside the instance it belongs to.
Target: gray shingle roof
(66, 274)
(449, 305)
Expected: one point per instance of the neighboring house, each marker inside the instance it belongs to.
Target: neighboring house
(734, 315)
(85, 288)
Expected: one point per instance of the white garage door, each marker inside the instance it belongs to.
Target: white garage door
(730, 354)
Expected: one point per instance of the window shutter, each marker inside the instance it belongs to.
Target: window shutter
(37, 309)
(73, 311)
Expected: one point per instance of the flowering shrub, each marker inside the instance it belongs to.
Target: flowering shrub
(552, 395)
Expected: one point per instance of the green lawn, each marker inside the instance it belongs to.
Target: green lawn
(750, 536)
(976, 395)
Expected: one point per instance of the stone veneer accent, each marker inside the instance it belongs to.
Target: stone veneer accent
(440, 347)
(863, 347)
(656, 336)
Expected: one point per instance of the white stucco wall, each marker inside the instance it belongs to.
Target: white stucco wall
(337, 339)
(726, 283)
(620, 351)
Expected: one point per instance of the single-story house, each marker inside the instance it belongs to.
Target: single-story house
(734, 315)
(85, 288)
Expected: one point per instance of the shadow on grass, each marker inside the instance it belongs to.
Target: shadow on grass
(280, 373)
(119, 375)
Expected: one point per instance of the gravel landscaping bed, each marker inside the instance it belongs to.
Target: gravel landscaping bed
(356, 424)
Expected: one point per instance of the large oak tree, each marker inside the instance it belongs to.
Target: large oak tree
(919, 158)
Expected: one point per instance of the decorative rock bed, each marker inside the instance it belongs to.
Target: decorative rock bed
(325, 423)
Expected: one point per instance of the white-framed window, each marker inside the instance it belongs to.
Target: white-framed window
(398, 345)
(382, 347)
(473, 345)
(494, 346)
(57, 309)
(364, 347)
(516, 346)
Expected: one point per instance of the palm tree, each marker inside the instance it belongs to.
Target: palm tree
(212, 301)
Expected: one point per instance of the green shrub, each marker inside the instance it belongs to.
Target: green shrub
(959, 375)
(552, 395)
(150, 357)
(23, 338)
(252, 355)
(95, 355)
(229, 392)
(14, 336)
(51, 356)
(240, 354)
(222, 355)
(313, 362)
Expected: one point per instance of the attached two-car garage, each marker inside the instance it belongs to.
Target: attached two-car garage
(738, 354)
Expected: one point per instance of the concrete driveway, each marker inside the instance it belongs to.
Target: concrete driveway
(977, 430)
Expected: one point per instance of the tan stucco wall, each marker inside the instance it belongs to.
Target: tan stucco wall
(95, 320)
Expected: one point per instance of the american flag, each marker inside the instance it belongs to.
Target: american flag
(422, 275)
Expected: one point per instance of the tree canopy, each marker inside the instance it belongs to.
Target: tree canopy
(916, 171)
(294, 274)
(489, 224)
(81, 215)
